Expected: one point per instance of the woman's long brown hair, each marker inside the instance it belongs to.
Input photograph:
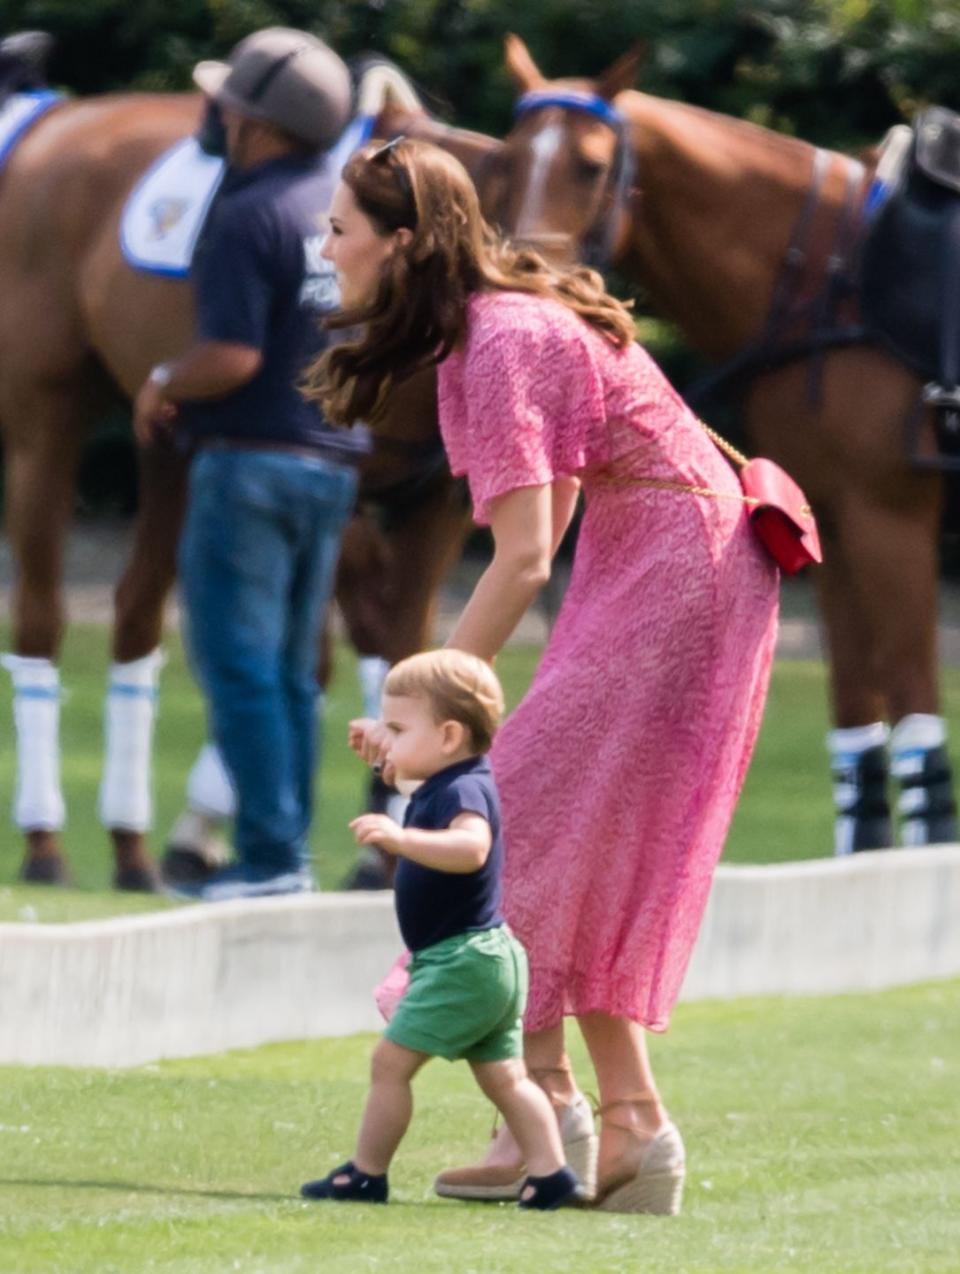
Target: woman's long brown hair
(420, 311)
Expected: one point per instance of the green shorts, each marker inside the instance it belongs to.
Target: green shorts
(465, 999)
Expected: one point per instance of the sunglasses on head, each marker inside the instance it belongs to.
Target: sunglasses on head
(384, 154)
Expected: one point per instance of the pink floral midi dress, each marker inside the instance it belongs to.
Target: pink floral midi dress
(620, 769)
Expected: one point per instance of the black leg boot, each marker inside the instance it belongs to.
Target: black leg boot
(860, 800)
(927, 809)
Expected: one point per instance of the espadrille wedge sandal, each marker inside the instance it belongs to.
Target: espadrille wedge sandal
(650, 1174)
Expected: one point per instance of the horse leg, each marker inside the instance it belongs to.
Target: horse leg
(903, 609)
(41, 456)
(125, 791)
(879, 590)
(389, 609)
(858, 742)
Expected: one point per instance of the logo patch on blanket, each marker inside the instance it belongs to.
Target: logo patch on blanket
(165, 213)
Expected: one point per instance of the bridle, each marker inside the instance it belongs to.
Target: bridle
(599, 240)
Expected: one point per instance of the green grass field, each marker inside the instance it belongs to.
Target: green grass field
(821, 1136)
(785, 811)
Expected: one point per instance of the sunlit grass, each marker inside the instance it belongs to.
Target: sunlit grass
(821, 1136)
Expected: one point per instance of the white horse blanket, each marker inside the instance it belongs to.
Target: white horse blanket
(165, 213)
(18, 112)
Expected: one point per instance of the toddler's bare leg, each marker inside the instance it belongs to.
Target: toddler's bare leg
(547, 1061)
(389, 1107)
(527, 1111)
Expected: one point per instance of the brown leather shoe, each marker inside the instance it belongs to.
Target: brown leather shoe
(499, 1182)
(494, 1182)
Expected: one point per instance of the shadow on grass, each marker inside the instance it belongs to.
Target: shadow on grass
(139, 1188)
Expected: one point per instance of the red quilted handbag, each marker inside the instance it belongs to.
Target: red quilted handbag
(780, 515)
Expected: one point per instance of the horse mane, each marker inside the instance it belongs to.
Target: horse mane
(378, 81)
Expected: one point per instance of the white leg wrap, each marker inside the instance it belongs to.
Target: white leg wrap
(38, 805)
(209, 788)
(372, 672)
(856, 739)
(126, 800)
(918, 732)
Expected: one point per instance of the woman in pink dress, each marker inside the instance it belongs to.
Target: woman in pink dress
(620, 769)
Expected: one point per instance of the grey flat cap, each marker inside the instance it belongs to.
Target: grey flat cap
(284, 77)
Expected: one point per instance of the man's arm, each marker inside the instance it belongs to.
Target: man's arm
(209, 369)
(233, 286)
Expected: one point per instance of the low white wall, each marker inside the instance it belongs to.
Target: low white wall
(199, 979)
(206, 978)
(873, 920)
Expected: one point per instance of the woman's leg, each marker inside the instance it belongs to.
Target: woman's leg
(618, 1050)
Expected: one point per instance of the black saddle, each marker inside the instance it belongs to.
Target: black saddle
(912, 248)
(23, 62)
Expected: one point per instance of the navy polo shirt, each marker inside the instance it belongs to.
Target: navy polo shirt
(434, 905)
(259, 280)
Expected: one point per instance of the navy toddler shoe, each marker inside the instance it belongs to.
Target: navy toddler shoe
(561, 1189)
(359, 1187)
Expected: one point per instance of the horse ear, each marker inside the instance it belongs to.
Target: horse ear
(520, 65)
(393, 117)
(623, 73)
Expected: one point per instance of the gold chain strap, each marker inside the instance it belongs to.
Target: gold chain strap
(667, 484)
(727, 448)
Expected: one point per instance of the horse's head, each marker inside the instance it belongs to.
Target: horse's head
(562, 179)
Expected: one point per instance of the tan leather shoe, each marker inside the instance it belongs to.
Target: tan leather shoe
(490, 1181)
(503, 1182)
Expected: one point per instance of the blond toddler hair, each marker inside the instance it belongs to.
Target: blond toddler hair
(459, 687)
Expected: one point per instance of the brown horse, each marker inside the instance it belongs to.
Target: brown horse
(703, 210)
(77, 324)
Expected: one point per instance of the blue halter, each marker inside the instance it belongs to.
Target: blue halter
(599, 240)
(590, 103)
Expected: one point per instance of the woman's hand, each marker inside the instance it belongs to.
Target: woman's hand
(379, 830)
(370, 740)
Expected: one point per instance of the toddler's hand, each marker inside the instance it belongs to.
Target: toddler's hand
(378, 829)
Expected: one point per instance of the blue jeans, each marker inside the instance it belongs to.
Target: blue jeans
(257, 561)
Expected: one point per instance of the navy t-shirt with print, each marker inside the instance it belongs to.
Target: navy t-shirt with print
(434, 905)
(259, 280)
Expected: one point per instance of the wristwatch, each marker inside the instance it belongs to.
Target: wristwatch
(161, 375)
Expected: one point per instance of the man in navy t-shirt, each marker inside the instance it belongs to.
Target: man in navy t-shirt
(271, 484)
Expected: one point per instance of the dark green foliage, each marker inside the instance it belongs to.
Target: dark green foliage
(835, 71)
(838, 72)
